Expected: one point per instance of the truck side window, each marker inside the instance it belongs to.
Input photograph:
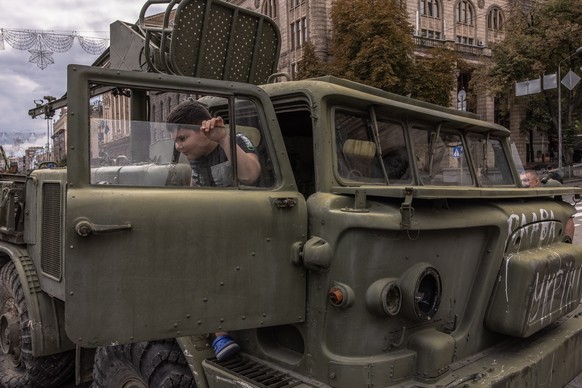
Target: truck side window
(164, 145)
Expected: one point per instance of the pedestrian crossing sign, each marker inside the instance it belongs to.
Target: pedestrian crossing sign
(457, 152)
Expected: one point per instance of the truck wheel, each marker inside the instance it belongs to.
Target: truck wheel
(112, 369)
(18, 367)
(141, 365)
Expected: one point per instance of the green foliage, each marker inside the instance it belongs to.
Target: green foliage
(570, 134)
(434, 77)
(537, 116)
(310, 65)
(373, 44)
(536, 40)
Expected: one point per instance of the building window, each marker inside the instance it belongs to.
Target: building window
(270, 8)
(298, 33)
(465, 12)
(429, 8)
(296, 3)
(161, 111)
(495, 19)
(431, 34)
(465, 40)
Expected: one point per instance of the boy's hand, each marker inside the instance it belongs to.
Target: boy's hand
(214, 129)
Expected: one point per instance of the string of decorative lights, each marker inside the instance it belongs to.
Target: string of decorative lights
(43, 44)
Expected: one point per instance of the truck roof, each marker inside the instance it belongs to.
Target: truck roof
(329, 85)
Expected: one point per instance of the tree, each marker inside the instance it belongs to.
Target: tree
(434, 76)
(373, 44)
(537, 39)
(310, 65)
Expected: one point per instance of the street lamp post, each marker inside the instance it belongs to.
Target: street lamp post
(48, 115)
(578, 51)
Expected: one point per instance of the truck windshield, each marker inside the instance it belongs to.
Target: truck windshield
(490, 160)
(371, 152)
(371, 148)
(441, 157)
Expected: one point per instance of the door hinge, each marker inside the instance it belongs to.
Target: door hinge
(283, 203)
(359, 203)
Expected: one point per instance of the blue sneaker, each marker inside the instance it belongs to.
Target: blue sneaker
(224, 347)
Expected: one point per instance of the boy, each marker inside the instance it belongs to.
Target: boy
(206, 143)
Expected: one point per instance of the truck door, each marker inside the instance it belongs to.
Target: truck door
(148, 256)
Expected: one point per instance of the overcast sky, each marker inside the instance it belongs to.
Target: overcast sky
(22, 82)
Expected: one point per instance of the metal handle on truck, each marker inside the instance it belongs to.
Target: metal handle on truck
(85, 228)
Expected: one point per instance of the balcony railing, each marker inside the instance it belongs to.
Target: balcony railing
(458, 47)
(429, 42)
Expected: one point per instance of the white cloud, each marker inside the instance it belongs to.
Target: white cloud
(22, 82)
(69, 15)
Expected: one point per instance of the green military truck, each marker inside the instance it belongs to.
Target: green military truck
(387, 241)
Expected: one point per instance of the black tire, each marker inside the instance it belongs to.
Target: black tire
(18, 367)
(158, 364)
(113, 369)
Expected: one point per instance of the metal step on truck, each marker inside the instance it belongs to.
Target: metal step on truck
(385, 241)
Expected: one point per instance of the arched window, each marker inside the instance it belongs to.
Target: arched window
(270, 8)
(161, 111)
(430, 8)
(495, 19)
(465, 13)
